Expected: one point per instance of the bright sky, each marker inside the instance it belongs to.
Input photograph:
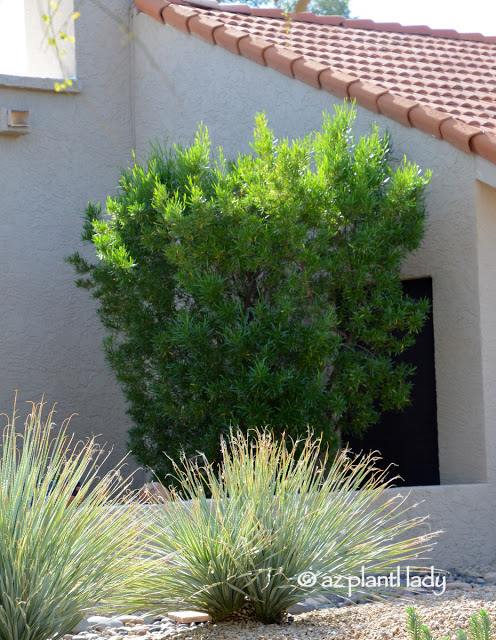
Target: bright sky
(463, 15)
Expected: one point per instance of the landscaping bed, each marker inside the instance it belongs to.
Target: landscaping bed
(443, 614)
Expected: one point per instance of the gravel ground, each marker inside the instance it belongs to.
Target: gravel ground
(374, 621)
(384, 620)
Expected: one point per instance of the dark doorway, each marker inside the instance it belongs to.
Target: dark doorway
(409, 438)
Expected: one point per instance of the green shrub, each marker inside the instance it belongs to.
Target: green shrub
(261, 292)
(480, 627)
(276, 512)
(59, 558)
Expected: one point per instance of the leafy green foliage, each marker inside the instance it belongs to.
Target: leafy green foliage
(273, 516)
(62, 557)
(480, 627)
(264, 291)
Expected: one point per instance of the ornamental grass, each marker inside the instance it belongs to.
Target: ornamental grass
(271, 512)
(62, 556)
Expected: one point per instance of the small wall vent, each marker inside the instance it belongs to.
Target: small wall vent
(14, 122)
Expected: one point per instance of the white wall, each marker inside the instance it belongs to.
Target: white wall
(225, 91)
(49, 334)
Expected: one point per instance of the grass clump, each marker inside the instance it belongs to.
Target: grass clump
(60, 558)
(278, 509)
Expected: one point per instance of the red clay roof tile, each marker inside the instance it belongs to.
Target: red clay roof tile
(436, 80)
(178, 16)
(396, 107)
(366, 94)
(427, 119)
(458, 133)
(228, 38)
(309, 71)
(253, 48)
(153, 8)
(484, 145)
(204, 27)
(281, 59)
(336, 82)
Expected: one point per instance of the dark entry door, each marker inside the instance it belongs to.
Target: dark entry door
(409, 438)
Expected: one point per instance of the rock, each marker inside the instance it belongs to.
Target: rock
(471, 573)
(102, 622)
(322, 599)
(128, 620)
(298, 608)
(490, 576)
(451, 586)
(81, 626)
(186, 617)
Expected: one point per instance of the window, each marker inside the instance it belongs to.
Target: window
(13, 52)
(24, 47)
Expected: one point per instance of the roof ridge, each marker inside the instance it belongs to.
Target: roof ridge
(337, 21)
(195, 19)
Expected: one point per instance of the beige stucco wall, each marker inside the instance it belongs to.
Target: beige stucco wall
(486, 229)
(49, 334)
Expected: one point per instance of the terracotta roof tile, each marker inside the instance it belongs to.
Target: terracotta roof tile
(204, 27)
(437, 80)
(178, 16)
(228, 38)
(366, 94)
(253, 48)
(153, 8)
(281, 59)
(309, 71)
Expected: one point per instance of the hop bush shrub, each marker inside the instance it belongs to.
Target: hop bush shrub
(264, 291)
(278, 509)
(62, 557)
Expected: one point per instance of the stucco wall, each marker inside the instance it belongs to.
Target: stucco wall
(464, 515)
(50, 336)
(205, 82)
(486, 227)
